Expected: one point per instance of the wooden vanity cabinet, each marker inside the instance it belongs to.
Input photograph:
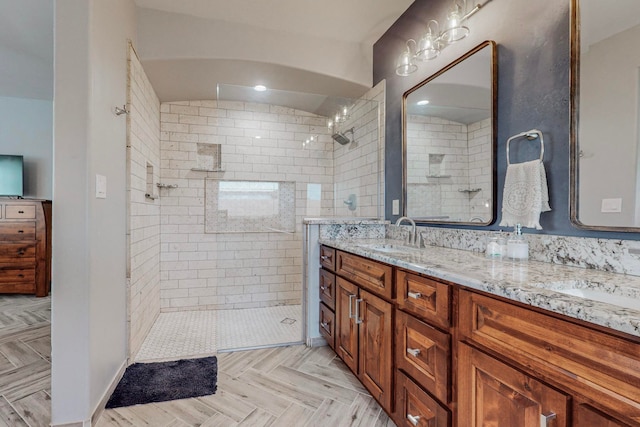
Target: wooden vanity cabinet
(363, 321)
(599, 372)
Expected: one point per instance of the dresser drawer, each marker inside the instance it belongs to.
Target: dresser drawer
(12, 231)
(327, 325)
(423, 352)
(20, 212)
(17, 252)
(602, 367)
(424, 297)
(17, 274)
(328, 258)
(371, 275)
(328, 288)
(414, 407)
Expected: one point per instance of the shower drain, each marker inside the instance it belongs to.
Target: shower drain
(288, 321)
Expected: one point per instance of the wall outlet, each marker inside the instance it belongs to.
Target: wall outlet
(101, 187)
(395, 207)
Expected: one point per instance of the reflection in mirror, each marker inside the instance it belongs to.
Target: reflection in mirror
(606, 55)
(449, 142)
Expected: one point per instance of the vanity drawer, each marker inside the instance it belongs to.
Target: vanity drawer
(424, 297)
(17, 275)
(371, 275)
(328, 325)
(414, 407)
(17, 252)
(588, 362)
(328, 258)
(12, 231)
(328, 288)
(20, 212)
(423, 352)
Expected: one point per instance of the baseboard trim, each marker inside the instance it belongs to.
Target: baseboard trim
(97, 412)
(316, 342)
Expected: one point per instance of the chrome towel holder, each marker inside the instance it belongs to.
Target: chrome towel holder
(530, 135)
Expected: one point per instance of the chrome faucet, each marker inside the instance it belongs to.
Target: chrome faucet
(412, 237)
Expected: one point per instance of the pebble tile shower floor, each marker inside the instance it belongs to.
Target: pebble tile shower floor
(185, 334)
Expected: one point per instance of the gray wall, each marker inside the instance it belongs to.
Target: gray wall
(533, 90)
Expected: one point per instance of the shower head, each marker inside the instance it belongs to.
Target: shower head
(341, 138)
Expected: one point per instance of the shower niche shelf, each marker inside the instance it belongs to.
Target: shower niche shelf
(469, 190)
(206, 170)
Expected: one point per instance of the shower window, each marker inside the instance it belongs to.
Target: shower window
(249, 206)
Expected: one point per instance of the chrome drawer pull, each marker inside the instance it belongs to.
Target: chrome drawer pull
(413, 351)
(20, 211)
(322, 288)
(20, 231)
(414, 295)
(351, 297)
(324, 257)
(413, 419)
(546, 420)
(325, 325)
(358, 319)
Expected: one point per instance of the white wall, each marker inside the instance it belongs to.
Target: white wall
(89, 336)
(27, 130)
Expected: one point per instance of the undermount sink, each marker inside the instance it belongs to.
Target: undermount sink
(597, 292)
(390, 248)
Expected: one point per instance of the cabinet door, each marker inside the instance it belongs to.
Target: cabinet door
(376, 367)
(346, 327)
(492, 393)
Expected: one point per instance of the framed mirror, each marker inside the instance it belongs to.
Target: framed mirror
(605, 114)
(449, 140)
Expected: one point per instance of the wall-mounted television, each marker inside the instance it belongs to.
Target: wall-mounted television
(11, 175)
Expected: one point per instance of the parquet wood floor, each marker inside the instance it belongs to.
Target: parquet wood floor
(279, 387)
(25, 361)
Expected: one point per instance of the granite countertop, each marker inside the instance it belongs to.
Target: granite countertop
(344, 220)
(530, 282)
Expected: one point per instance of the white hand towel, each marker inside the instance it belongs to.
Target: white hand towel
(525, 195)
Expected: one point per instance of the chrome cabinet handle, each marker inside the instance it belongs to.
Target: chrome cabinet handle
(358, 319)
(322, 288)
(324, 257)
(546, 420)
(351, 297)
(414, 295)
(413, 351)
(413, 419)
(324, 325)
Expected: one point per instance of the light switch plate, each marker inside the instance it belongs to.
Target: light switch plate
(395, 207)
(101, 186)
(611, 206)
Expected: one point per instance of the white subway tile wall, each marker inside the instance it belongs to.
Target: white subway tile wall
(143, 234)
(258, 142)
(441, 156)
(359, 165)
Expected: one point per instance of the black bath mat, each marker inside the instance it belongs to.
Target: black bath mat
(162, 381)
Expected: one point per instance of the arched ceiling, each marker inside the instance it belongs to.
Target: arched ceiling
(189, 47)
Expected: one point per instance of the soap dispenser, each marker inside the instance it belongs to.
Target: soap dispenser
(517, 246)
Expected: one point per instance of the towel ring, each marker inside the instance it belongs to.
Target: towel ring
(530, 135)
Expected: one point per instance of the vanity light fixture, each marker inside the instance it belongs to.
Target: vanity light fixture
(433, 40)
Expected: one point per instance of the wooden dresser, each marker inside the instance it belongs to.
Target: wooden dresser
(25, 246)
